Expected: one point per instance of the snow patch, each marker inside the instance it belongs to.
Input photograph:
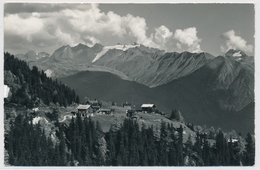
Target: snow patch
(6, 91)
(48, 72)
(237, 54)
(118, 47)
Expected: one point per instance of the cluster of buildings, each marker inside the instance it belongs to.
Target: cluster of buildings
(145, 108)
(84, 110)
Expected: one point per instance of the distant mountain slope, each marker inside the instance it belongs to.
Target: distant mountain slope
(202, 98)
(152, 67)
(173, 66)
(149, 66)
(108, 87)
(33, 56)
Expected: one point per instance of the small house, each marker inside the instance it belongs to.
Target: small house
(148, 108)
(95, 105)
(83, 110)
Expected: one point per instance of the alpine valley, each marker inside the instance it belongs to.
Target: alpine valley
(208, 90)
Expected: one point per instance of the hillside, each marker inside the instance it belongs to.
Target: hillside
(31, 87)
(195, 103)
(108, 87)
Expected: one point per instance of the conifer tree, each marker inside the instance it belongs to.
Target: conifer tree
(250, 151)
(180, 161)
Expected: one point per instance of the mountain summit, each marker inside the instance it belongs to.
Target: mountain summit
(240, 56)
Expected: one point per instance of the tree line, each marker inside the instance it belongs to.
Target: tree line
(83, 143)
(32, 86)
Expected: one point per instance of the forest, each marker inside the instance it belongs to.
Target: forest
(30, 87)
(83, 143)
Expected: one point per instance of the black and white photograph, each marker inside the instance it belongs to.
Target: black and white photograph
(128, 84)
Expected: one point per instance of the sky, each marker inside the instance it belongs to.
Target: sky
(212, 28)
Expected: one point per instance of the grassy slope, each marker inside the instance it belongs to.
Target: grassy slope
(120, 114)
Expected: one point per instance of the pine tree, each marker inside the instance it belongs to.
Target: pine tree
(62, 146)
(250, 151)
(206, 151)
(163, 158)
(180, 161)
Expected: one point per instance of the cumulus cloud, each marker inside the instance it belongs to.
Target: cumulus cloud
(188, 38)
(162, 34)
(22, 26)
(233, 41)
(51, 25)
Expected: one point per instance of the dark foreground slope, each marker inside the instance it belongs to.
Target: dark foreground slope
(190, 95)
(108, 87)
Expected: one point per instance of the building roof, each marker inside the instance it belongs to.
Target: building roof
(83, 106)
(147, 105)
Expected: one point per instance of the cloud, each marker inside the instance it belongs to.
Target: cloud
(233, 41)
(188, 38)
(161, 38)
(162, 33)
(22, 26)
(49, 26)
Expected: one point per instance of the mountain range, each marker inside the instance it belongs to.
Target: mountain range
(209, 90)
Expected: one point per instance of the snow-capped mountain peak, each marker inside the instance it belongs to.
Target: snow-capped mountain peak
(237, 54)
(118, 47)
